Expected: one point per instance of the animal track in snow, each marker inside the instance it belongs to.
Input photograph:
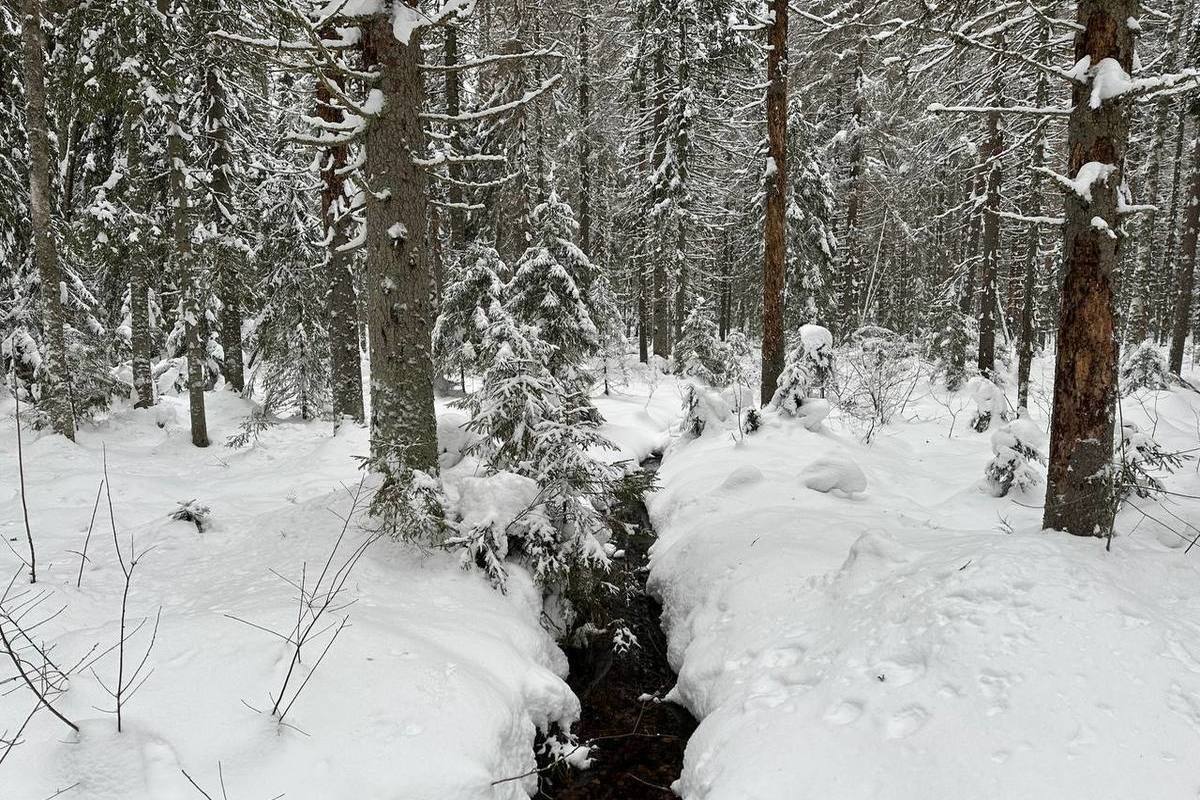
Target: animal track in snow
(906, 722)
(844, 713)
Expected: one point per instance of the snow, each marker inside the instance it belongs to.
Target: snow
(900, 644)
(834, 473)
(909, 638)
(433, 690)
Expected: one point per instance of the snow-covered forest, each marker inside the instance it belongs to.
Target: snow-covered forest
(497, 399)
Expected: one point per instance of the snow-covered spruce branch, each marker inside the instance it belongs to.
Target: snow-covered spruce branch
(503, 108)
(498, 58)
(938, 108)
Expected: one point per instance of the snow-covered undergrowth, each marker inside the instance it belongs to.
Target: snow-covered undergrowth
(923, 638)
(432, 691)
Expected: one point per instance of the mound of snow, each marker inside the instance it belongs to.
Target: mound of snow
(834, 472)
(743, 476)
(812, 412)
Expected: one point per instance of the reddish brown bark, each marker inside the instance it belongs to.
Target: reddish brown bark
(1079, 496)
(775, 249)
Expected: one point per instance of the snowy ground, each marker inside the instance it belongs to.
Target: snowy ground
(432, 691)
(919, 639)
(923, 639)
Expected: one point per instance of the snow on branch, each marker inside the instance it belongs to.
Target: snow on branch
(1051, 111)
(491, 111)
(1088, 176)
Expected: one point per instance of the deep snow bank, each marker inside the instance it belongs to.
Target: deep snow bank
(899, 644)
(432, 692)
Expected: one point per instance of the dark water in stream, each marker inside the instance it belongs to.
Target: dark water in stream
(639, 744)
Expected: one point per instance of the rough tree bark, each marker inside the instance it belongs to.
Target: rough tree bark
(400, 283)
(454, 189)
(344, 360)
(1079, 497)
(55, 397)
(139, 269)
(661, 301)
(584, 133)
(775, 241)
(220, 162)
(1186, 276)
(990, 266)
(188, 270)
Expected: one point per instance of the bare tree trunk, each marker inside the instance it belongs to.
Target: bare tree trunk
(775, 236)
(400, 301)
(1079, 496)
(228, 284)
(1186, 276)
(188, 270)
(1166, 271)
(56, 392)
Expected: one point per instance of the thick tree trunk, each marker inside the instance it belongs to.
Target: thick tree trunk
(775, 236)
(220, 162)
(188, 270)
(55, 397)
(1079, 494)
(1186, 276)
(400, 284)
(344, 360)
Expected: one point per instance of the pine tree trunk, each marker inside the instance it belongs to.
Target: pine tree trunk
(1079, 495)
(775, 241)
(55, 397)
(584, 133)
(850, 314)
(1167, 269)
(140, 340)
(400, 283)
(188, 270)
(661, 300)
(345, 364)
(1186, 276)
(990, 266)
(219, 164)
(642, 247)
(454, 191)
(1029, 278)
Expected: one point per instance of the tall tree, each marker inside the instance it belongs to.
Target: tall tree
(400, 282)
(775, 231)
(1186, 276)
(56, 391)
(1079, 491)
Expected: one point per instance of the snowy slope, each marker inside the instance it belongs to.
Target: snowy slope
(898, 643)
(432, 691)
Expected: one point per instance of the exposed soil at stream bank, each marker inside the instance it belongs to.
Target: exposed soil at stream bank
(638, 741)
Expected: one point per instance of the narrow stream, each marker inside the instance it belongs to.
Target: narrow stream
(638, 740)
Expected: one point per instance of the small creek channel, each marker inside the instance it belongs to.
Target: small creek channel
(637, 743)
